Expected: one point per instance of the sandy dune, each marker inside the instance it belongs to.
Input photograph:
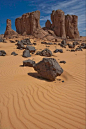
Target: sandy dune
(30, 102)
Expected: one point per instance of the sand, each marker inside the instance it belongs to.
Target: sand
(30, 102)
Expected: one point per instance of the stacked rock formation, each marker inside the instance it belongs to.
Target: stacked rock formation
(28, 23)
(63, 25)
(9, 32)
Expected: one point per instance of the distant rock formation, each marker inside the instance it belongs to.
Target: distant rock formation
(71, 26)
(28, 23)
(63, 25)
(9, 32)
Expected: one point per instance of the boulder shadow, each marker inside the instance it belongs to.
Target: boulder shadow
(36, 75)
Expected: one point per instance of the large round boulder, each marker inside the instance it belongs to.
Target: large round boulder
(48, 68)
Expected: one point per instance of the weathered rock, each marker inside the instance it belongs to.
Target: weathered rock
(31, 49)
(20, 45)
(58, 50)
(62, 62)
(48, 24)
(63, 43)
(2, 53)
(26, 53)
(28, 23)
(26, 41)
(75, 43)
(48, 68)
(12, 41)
(58, 23)
(71, 45)
(46, 52)
(71, 26)
(13, 53)
(9, 32)
(29, 63)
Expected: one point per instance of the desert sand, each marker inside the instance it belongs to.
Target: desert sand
(30, 102)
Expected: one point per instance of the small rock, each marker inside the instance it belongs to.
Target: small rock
(26, 53)
(29, 63)
(13, 53)
(2, 53)
(31, 49)
(62, 62)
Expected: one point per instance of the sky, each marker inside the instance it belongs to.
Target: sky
(12, 9)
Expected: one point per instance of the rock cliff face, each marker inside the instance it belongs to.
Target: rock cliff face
(63, 25)
(71, 26)
(9, 32)
(28, 23)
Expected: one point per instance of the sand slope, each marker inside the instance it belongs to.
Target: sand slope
(30, 102)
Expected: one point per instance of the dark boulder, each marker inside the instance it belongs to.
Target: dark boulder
(58, 50)
(62, 62)
(20, 45)
(31, 48)
(29, 63)
(13, 53)
(2, 53)
(48, 68)
(12, 41)
(46, 52)
(63, 43)
(71, 46)
(75, 43)
(26, 53)
(26, 41)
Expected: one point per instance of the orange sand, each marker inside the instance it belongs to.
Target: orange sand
(28, 102)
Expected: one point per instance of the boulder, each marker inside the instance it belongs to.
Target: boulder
(71, 45)
(48, 68)
(46, 52)
(9, 32)
(62, 62)
(26, 53)
(2, 53)
(58, 50)
(26, 41)
(13, 53)
(20, 45)
(31, 49)
(29, 63)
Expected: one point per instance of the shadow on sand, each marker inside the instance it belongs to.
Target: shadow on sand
(36, 75)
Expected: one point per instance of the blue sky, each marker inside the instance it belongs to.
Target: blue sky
(11, 9)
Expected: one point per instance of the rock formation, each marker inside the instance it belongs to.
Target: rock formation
(58, 23)
(71, 26)
(28, 23)
(9, 32)
(63, 25)
(48, 24)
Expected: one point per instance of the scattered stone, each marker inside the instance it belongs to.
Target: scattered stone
(35, 43)
(26, 53)
(2, 53)
(48, 68)
(62, 62)
(26, 41)
(58, 50)
(31, 49)
(20, 45)
(29, 63)
(46, 52)
(72, 50)
(75, 43)
(71, 46)
(1, 39)
(13, 53)
(62, 81)
(12, 41)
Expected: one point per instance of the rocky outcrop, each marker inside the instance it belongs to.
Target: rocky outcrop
(71, 26)
(48, 24)
(58, 23)
(28, 23)
(9, 32)
(64, 26)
